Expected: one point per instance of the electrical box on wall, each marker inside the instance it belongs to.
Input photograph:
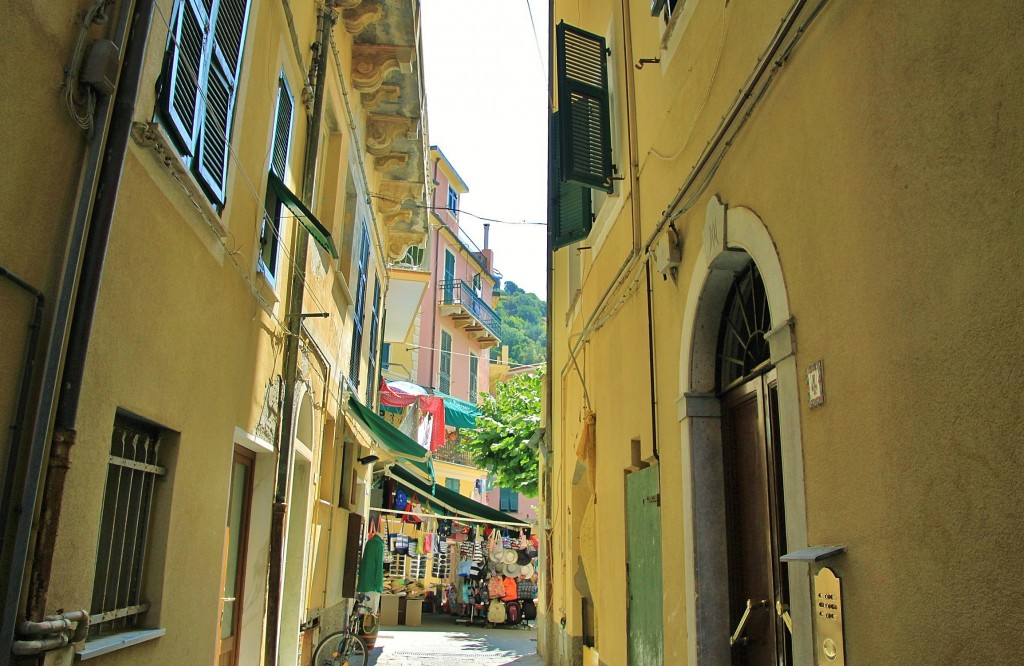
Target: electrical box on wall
(100, 67)
(668, 253)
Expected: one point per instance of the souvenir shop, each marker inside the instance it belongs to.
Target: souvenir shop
(447, 553)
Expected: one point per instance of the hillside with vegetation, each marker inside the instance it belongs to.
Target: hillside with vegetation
(523, 320)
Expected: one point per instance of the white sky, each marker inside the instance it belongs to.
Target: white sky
(487, 112)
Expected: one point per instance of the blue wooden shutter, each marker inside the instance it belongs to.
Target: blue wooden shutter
(586, 150)
(571, 217)
(187, 68)
(371, 371)
(360, 305)
(221, 86)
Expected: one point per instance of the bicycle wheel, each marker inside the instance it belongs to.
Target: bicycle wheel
(338, 650)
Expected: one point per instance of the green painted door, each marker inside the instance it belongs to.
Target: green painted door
(643, 528)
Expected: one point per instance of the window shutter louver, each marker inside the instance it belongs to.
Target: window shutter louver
(360, 305)
(222, 84)
(182, 101)
(571, 213)
(583, 108)
(444, 380)
(282, 131)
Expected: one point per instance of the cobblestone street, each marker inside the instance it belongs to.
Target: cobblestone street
(440, 641)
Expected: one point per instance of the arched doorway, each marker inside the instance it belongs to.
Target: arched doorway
(743, 473)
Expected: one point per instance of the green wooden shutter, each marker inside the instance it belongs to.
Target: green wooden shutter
(282, 129)
(182, 103)
(444, 380)
(474, 372)
(570, 214)
(271, 231)
(221, 86)
(586, 150)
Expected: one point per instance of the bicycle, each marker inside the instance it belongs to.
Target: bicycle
(345, 647)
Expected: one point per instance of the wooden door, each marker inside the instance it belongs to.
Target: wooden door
(755, 527)
(643, 534)
(236, 538)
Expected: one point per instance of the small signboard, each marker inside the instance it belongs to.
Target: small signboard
(816, 384)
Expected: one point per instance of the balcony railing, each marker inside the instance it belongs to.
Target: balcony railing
(451, 452)
(460, 302)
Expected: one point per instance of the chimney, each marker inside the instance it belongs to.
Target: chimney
(487, 233)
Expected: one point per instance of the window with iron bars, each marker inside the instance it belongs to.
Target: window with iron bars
(119, 597)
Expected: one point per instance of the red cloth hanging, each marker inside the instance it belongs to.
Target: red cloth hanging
(435, 407)
(394, 398)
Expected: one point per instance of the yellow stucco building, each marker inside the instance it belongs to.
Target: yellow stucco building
(217, 232)
(785, 397)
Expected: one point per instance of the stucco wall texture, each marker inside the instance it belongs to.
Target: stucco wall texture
(886, 164)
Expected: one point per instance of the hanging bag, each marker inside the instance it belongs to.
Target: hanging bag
(496, 612)
(495, 587)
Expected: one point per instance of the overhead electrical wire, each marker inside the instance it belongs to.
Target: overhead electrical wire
(405, 204)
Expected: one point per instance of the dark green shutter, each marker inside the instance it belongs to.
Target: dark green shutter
(571, 216)
(270, 234)
(282, 130)
(221, 86)
(586, 150)
(444, 379)
(182, 101)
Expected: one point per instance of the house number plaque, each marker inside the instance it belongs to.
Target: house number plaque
(828, 618)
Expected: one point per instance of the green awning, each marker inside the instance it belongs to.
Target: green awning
(397, 443)
(460, 505)
(458, 413)
(303, 215)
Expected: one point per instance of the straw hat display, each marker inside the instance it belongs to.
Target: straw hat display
(511, 569)
(526, 570)
(509, 556)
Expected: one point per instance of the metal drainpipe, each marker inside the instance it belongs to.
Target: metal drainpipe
(64, 434)
(23, 392)
(325, 22)
(634, 176)
(51, 366)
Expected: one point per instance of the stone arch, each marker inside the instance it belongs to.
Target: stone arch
(732, 238)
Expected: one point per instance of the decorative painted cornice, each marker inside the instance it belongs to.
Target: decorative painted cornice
(372, 62)
(400, 242)
(390, 161)
(357, 18)
(381, 132)
(386, 93)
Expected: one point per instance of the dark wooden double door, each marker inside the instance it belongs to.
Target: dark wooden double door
(755, 524)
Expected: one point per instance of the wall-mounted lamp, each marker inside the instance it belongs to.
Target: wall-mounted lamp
(366, 460)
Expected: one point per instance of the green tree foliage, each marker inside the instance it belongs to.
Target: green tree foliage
(508, 421)
(523, 318)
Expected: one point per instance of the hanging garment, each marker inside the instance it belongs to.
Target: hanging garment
(425, 430)
(435, 407)
(371, 568)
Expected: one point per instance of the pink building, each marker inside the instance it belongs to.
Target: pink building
(458, 324)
